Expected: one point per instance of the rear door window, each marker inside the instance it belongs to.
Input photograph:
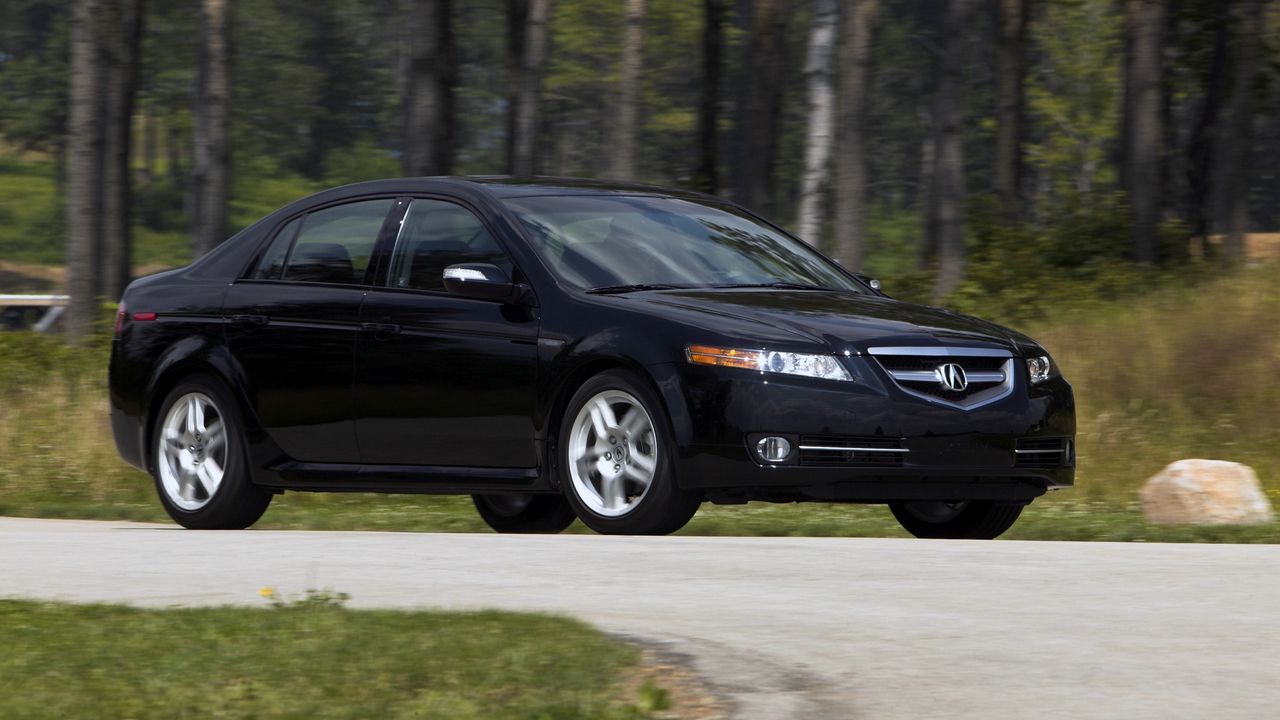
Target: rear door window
(271, 264)
(335, 243)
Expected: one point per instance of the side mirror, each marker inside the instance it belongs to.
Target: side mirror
(478, 280)
(873, 283)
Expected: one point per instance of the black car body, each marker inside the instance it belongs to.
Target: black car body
(346, 379)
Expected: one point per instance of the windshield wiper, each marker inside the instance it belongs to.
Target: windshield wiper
(618, 289)
(779, 286)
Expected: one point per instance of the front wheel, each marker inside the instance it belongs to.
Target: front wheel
(956, 520)
(616, 459)
(524, 512)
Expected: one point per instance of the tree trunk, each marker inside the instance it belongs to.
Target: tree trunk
(1206, 137)
(817, 154)
(517, 16)
(428, 112)
(1011, 29)
(623, 164)
(1145, 25)
(706, 177)
(1247, 16)
(84, 167)
(121, 35)
(851, 160)
(150, 148)
(211, 172)
(174, 142)
(527, 43)
(946, 195)
(765, 62)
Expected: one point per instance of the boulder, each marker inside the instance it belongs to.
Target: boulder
(1205, 492)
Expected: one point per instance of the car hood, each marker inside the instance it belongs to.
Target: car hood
(843, 321)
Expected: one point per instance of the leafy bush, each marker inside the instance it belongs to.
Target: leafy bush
(1075, 256)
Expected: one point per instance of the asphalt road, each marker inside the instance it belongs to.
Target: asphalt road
(782, 627)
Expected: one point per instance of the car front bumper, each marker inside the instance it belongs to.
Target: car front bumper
(938, 451)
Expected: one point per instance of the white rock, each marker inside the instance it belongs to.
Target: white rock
(1205, 492)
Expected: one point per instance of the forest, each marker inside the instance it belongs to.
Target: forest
(996, 156)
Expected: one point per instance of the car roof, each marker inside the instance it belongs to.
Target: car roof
(505, 186)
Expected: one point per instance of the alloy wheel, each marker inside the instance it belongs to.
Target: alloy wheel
(192, 451)
(613, 453)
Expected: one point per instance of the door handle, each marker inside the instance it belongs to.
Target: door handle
(252, 321)
(381, 331)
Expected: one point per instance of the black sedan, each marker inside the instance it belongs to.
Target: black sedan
(561, 349)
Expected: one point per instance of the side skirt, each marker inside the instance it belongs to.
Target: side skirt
(412, 479)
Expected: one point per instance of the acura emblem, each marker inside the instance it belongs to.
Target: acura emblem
(951, 376)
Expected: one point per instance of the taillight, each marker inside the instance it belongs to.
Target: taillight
(123, 314)
(120, 314)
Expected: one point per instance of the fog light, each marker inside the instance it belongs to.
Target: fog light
(773, 449)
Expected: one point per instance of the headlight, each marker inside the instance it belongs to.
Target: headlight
(1041, 369)
(826, 367)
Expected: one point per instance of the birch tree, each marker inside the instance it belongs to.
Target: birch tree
(818, 133)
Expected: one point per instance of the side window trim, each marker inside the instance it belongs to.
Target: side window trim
(384, 249)
(288, 249)
(368, 281)
(266, 244)
(365, 281)
(383, 281)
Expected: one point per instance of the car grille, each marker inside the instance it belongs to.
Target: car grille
(917, 371)
(834, 450)
(1042, 452)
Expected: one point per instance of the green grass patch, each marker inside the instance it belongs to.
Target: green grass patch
(31, 222)
(306, 659)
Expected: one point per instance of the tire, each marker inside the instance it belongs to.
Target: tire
(616, 468)
(525, 513)
(963, 520)
(189, 448)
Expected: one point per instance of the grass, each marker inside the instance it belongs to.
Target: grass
(30, 218)
(307, 658)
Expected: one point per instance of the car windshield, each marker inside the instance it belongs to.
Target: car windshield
(621, 243)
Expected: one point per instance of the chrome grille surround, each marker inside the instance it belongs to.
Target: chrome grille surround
(836, 450)
(990, 373)
(1043, 452)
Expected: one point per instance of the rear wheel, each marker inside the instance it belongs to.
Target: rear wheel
(200, 461)
(960, 519)
(524, 512)
(616, 459)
